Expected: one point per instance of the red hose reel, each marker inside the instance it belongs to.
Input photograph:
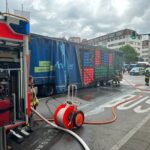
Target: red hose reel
(67, 115)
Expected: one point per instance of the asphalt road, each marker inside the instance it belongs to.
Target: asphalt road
(96, 104)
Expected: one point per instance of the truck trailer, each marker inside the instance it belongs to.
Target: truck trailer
(56, 63)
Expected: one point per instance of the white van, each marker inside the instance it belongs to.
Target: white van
(142, 64)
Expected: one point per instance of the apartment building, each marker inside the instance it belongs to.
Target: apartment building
(145, 54)
(118, 39)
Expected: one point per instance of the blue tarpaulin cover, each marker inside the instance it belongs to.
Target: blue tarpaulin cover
(53, 62)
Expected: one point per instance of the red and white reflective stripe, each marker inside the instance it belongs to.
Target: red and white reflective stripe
(62, 114)
(7, 33)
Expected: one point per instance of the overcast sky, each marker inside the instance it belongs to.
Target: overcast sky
(84, 18)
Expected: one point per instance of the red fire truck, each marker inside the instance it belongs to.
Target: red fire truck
(14, 96)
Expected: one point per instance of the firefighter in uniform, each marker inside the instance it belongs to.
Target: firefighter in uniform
(34, 103)
(147, 75)
(118, 77)
(33, 98)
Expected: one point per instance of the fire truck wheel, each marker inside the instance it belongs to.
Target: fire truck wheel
(78, 119)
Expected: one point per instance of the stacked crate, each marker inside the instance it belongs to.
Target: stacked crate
(87, 59)
(110, 59)
(88, 75)
(87, 70)
(118, 61)
(111, 65)
(120, 56)
(97, 57)
(100, 71)
(104, 58)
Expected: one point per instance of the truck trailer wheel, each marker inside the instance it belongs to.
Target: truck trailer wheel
(98, 84)
(45, 90)
(50, 90)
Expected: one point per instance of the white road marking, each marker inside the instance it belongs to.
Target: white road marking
(127, 105)
(83, 106)
(139, 109)
(111, 103)
(118, 100)
(130, 134)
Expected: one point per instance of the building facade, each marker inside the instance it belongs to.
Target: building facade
(75, 39)
(118, 39)
(145, 54)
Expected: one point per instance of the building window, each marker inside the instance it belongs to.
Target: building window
(131, 42)
(116, 44)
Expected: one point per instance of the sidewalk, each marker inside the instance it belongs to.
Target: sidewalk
(140, 140)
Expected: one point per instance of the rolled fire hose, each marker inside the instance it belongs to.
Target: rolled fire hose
(84, 145)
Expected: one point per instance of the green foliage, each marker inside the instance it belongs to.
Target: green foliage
(130, 54)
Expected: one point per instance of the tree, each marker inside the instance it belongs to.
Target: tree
(130, 54)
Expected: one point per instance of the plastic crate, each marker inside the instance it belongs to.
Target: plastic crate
(101, 71)
(87, 59)
(87, 75)
(110, 59)
(97, 57)
(104, 58)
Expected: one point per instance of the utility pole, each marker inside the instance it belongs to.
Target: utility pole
(6, 6)
(22, 9)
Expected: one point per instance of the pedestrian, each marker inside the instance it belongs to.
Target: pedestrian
(147, 76)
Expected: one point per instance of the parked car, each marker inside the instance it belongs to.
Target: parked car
(137, 71)
(147, 69)
(131, 66)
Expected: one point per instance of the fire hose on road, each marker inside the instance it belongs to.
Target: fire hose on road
(114, 114)
(113, 119)
(62, 129)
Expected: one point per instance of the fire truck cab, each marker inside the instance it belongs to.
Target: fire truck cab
(14, 66)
